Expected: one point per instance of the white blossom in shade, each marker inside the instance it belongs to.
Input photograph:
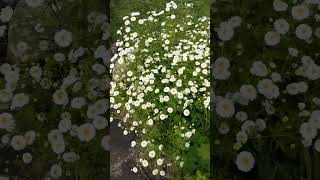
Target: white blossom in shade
(60, 97)
(300, 12)
(59, 57)
(5, 95)
(317, 145)
(18, 142)
(296, 88)
(225, 31)
(56, 171)
(303, 31)
(70, 157)
(279, 5)
(6, 14)
(308, 131)
(30, 137)
(101, 52)
(6, 121)
(245, 161)
(63, 38)
(3, 29)
(86, 132)
(34, 3)
(225, 108)
(78, 102)
(64, 125)
(100, 122)
(105, 142)
(224, 128)
(220, 68)
(260, 125)
(19, 100)
(259, 69)
(241, 116)
(35, 72)
(159, 162)
(155, 172)
(242, 137)
(272, 38)
(58, 147)
(268, 89)
(186, 112)
(281, 26)
(27, 158)
(152, 154)
(315, 118)
(248, 91)
(235, 21)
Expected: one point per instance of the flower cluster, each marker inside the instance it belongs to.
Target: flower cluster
(160, 82)
(267, 81)
(55, 106)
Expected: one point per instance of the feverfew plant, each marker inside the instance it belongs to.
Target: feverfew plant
(161, 83)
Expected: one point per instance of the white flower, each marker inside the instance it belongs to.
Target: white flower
(6, 121)
(56, 171)
(145, 163)
(220, 68)
(225, 108)
(248, 92)
(59, 57)
(225, 32)
(155, 172)
(260, 125)
(308, 131)
(144, 143)
(18, 142)
(162, 173)
(27, 158)
(60, 97)
(186, 112)
(259, 69)
(159, 162)
(268, 89)
(36, 72)
(105, 143)
(242, 137)
(58, 147)
(100, 122)
(272, 38)
(317, 145)
(304, 32)
(300, 12)
(281, 26)
(64, 125)
(315, 118)
(70, 157)
(3, 29)
(245, 161)
(6, 14)
(78, 102)
(19, 100)
(30, 137)
(86, 132)
(5, 95)
(152, 154)
(101, 52)
(279, 5)
(63, 38)
(34, 3)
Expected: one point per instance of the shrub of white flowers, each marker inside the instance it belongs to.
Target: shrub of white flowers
(54, 107)
(161, 84)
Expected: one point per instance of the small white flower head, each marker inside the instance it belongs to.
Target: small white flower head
(27, 158)
(6, 121)
(308, 131)
(186, 112)
(60, 97)
(225, 108)
(19, 100)
(300, 12)
(6, 14)
(63, 38)
(279, 5)
(245, 161)
(303, 31)
(56, 171)
(18, 142)
(86, 132)
(272, 38)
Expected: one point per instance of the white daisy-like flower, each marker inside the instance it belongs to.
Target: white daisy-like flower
(63, 38)
(86, 132)
(245, 161)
